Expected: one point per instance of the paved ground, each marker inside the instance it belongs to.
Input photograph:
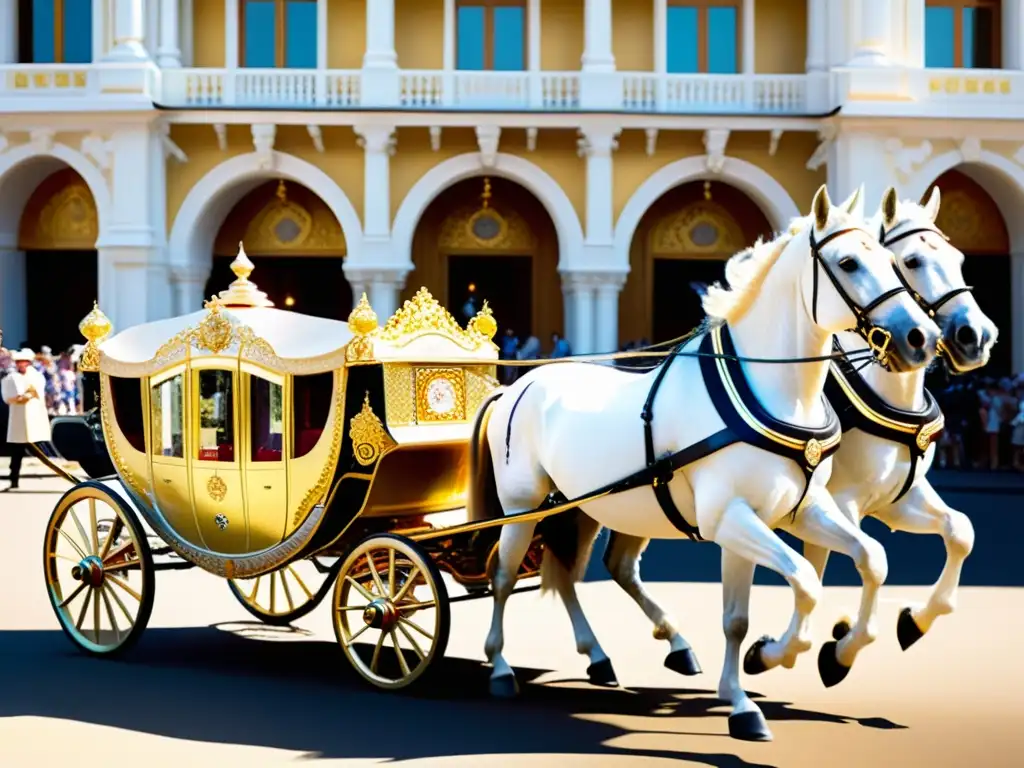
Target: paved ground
(207, 687)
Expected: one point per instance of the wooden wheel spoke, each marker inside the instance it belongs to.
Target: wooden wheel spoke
(287, 592)
(357, 633)
(415, 606)
(72, 542)
(124, 586)
(121, 550)
(110, 615)
(412, 641)
(273, 592)
(417, 627)
(73, 595)
(413, 575)
(300, 582)
(112, 534)
(360, 588)
(401, 656)
(64, 557)
(78, 524)
(376, 576)
(85, 607)
(130, 565)
(92, 527)
(391, 573)
(376, 653)
(96, 614)
(120, 604)
(255, 589)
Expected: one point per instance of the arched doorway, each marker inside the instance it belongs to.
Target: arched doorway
(971, 219)
(57, 234)
(490, 239)
(681, 245)
(297, 245)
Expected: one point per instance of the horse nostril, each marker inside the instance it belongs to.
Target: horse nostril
(915, 338)
(966, 336)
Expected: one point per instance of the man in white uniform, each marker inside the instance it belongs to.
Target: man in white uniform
(24, 390)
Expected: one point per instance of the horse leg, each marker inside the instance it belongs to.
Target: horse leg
(820, 522)
(622, 559)
(563, 577)
(512, 547)
(746, 721)
(923, 511)
(745, 535)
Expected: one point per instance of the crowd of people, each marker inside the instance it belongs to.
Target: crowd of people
(984, 423)
(529, 349)
(60, 372)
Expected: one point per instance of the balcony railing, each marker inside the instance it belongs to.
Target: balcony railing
(254, 88)
(756, 94)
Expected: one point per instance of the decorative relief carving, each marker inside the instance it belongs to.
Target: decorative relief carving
(369, 439)
(487, 138)
(714, 145)
(970, 148)
(422, 315)
(471, 228)
(217, 489)
(60, 215)
(906, 159)
(703, 227)
(969, 223)
(826, 135)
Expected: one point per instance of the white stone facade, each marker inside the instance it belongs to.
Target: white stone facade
(878, 114)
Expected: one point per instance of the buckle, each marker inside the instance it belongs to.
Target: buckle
(880, 349)
(663, 472)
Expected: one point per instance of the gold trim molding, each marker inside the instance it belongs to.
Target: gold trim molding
(674, 234)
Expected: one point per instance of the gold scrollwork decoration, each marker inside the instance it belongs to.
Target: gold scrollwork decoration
(215, 333)
(422, 315)
(927, 432)
(217, 488)
(812, 452)
(369, 440)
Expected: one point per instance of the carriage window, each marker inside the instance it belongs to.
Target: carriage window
(312, 407)
(168, 407)
(126, 396)
(266, 409)
(216, 406)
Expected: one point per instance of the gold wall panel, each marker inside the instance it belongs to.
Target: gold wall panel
(481, 381)
(174, 499)
(60, 215)
(399, 394)
(280, 218)
(266, 497)
(702, 228)
(969, 216)
(512, 232)
(421, 481)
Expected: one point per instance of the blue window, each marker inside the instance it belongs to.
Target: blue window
(278, 33)
(60, 31)
(962, 33)
(702, 36)
(490, 34)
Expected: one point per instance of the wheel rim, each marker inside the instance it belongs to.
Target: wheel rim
(95, 573)
(282, 592)
(390, 612)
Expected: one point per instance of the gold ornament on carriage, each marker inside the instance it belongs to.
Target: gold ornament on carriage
(812, 452)
(484, 322)
(369, 440)
(94, 327)
(217, 489)
(363, 323)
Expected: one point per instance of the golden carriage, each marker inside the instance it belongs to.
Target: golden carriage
(290, 455)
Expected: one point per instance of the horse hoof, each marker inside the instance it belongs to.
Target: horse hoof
(749, 726)
(841, 629)
(753, 664)
(907, 631)
(831, 671)
(684, 662)
(504, 687)
(602, 673)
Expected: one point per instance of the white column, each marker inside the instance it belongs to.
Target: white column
(583, 322)
(383, 295)
(9, 33)
(1013, 34)
(660, 36)
(321, 34)
(817, 35)
(606, 332)
(128, 32)
(569, 312)
(185, 36)
(231, 56)
(1016, 330)
(872, 49)
(189, 284)
(533, 31)
(448, 41)
(378, 143)
(597, 49)
(380, 62)
(748, 37)
(597, 146)
(13, 296)
(151, 27)
(169, 55)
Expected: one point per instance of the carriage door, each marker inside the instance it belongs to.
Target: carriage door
(216, 469)
(263, 463)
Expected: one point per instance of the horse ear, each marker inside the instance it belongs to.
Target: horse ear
(821, 207)
(932, 206)
(854, 204)
(889, 201)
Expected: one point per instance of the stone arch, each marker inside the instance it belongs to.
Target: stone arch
(511, 167)
(761, 187)
(212, 198)
(997, 181)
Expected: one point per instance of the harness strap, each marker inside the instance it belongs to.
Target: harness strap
(930, 307)
(508, 431)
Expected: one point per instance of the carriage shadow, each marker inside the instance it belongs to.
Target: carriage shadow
(205, 684)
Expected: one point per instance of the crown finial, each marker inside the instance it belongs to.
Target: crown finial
(363, 319)
(95, 327)
(484, 323)
(243, 292)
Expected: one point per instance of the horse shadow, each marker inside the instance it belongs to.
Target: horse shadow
(238, 685)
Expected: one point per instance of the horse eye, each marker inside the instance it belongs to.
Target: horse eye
(912, 262)
(849, 264)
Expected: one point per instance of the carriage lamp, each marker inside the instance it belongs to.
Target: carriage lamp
(94, 327)
(484, 322)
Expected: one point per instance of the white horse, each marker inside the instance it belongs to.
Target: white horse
(890, 422)
(732, 449)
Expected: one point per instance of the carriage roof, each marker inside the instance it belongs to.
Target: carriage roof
(241, 322)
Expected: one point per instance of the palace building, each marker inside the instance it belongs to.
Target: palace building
(583, 165)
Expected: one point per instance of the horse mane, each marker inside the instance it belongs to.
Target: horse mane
(745, 272)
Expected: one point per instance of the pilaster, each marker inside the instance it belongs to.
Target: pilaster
(380, 61)
(600, 85)
(382, 287)
(875, 39)
(861, 158)
(189, 284)
(13, 297)
(169, 54)
(597, 145)
(9, 34)
(379, 145)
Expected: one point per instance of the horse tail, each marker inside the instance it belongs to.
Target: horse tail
(482, 502)
(568, 541)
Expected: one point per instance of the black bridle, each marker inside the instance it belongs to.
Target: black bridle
(931, 307)
(876, 337)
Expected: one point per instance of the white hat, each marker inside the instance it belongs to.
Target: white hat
(25, 354)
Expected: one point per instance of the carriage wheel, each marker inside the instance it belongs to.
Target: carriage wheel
(280, 597)
(389, 597)
(99, 570)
